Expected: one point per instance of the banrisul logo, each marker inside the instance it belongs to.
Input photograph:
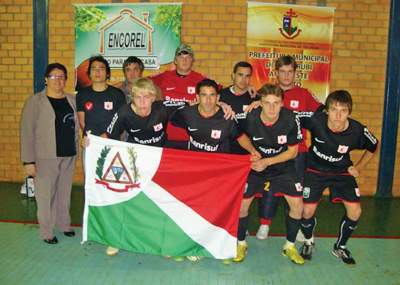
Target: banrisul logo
(128, 34)
(289, 28)
(117, 175)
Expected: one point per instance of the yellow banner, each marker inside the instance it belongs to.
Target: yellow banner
(305, 32)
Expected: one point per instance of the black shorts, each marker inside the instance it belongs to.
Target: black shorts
(341, 187)
(280, 185)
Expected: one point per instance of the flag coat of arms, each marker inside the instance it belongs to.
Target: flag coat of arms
(162, 201)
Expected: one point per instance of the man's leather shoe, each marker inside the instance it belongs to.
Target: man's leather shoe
(53, 240)
(69, 234)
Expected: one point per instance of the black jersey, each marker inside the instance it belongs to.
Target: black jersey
(99, 107)
(212, 134)
(273, 140)
(330, 151)
(149, 130)
(238, 103)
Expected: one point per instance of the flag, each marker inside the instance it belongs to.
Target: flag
(162, 201)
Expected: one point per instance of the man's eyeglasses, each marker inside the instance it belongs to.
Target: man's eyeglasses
(54, 77)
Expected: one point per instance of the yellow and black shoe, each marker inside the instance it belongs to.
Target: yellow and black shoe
(241, 253)
(292, 253)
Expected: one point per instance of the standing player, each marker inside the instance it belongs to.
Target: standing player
(144, 119)
(238, 97)
(179, 85)
(334, 135)
(275, 133)
(297, 99)
(133, 69)
(98, 103)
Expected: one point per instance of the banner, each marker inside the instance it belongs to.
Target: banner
(162, 201)
(305, 32)
(116, 31)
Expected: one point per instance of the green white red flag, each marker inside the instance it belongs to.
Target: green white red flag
(162, 201)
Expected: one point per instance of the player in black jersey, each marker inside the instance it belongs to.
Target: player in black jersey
(275, 133)
(145, 119)
(334, 135)
(238, 97)
(205, 122)
(97, 104)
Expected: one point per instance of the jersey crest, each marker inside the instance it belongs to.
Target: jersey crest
(108, 106)
(294, 104)
(158, 127)
(282, 139)
(342, 149)
(191, 90)
(216, 134)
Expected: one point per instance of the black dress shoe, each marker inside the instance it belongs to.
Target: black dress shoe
(69, 234)
(53, 240)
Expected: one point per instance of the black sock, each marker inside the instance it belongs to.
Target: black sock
(308, 226)
(267, 205)
(346, 228)
(292, 227)
(242, 229)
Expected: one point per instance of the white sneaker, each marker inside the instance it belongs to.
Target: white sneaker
(262, 232)
(301, 238)
(111, 251)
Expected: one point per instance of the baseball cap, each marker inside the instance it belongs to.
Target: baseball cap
(184, 48)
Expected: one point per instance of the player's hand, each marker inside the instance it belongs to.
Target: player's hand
(252, 106)
(30, 169)
(255, 155)
(85, 142)
(229, 114)
(353, 171)
(259, 165)
(252, 91)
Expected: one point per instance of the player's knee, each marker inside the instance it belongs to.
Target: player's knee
(354, 213)
(308, 211)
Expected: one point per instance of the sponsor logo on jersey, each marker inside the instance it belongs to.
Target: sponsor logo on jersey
(88, 106)
(357, 191)
(270, 150)
(257, 138)
(170, 88)
(216, 134)
(203, 146)
(329, 158)
(318, 140)
(240, 116)
(342, 149)
(108, 106)
(135, 130)
(192, 129)
(170, 99)
(294, 104)
(306, 192)
(191, 90)
(282, 139)
(298, 186)
(150, 141)
(158, 127)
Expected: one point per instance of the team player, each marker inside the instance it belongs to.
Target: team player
(275, 133)
(98, 103)
(133, 68)
(333, 136)
(297, 99)
(144, 119)
(179, 85)
(238, 97)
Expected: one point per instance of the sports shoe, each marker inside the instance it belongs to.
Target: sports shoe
(292, 253)
(344, 254)
(306, 250)
(111, 251)
(227, 261)
(178, 258)
(241, 253)
(194, 258)
(262, 232)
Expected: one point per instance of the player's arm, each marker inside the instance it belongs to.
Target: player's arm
(289, 154)
(245, 143)
(355, 169)
(81, 119)
(178, 118)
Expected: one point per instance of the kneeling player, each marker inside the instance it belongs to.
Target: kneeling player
(275, 133)
(334, 136)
